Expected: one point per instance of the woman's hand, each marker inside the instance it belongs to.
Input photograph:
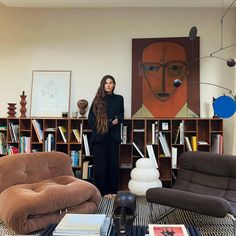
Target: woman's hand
(115, 121)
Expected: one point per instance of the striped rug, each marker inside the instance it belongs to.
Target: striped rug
(208, 226)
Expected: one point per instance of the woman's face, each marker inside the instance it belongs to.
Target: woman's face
(109, 86)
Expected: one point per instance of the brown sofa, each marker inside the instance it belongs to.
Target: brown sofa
(206, 184)
(37, 189)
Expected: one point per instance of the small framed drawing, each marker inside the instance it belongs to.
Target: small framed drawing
(165, 126)
(159, 230)
(50, 93)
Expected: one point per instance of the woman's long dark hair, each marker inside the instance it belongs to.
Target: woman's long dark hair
(99, 106)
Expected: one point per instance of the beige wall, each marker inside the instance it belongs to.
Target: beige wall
(95, 42)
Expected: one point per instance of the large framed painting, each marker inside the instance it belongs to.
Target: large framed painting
(50, 93)
(156, 64)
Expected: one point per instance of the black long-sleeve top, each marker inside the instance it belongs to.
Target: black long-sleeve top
(114, 109)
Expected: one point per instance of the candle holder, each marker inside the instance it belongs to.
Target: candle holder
(11, 109)
(23, 105)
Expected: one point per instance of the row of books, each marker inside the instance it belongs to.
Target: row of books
(49, 143)
(150, 151)
(179, 133)
(62, 130)
(14, 131)
(25, 146)
(191, 143)
(87, 170)
(217, 143)
(3, 144)
(76, 157)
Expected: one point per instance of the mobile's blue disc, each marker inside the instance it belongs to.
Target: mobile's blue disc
(224, 106)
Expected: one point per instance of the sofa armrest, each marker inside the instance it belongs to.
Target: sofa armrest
(203, 204)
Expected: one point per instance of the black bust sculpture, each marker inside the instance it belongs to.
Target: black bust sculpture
(124, 212)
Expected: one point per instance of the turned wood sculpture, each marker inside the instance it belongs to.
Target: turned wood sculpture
(23, 105)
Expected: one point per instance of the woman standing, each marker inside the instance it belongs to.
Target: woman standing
(105, 115)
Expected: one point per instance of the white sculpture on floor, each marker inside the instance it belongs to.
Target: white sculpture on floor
(143, 177)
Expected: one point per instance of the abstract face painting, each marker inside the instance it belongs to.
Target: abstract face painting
(159, 64)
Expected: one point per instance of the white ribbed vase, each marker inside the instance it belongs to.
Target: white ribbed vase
(143, 177)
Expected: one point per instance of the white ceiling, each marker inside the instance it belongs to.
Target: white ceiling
(115, 3)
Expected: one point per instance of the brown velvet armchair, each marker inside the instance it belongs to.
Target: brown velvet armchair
(206, 184)
(38, 189)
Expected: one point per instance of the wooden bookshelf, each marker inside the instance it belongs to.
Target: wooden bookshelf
(207, 133)
(145, 132)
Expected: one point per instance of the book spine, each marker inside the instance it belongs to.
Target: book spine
(86, 145)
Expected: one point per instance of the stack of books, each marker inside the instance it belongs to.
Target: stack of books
(83, 225)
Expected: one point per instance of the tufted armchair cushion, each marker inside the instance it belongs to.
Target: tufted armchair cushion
(39, 188)
(33, 167)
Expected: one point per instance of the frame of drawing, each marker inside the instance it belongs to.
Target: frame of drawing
(50, 93)
(156, 64)
(167, 229)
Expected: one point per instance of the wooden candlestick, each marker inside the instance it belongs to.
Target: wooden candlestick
(23, 104)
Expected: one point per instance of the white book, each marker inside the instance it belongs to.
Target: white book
(188, 144)
(38, 130)
(63, 132)
(50, 142)
(124, 136)
(202, 142)
(153, 133)
(86, 224)
(121, 132)
(177, 134)
(151, 155)
(85, 170)
(164, 144)
(76, 134)
(138, 149)
(174, 157)
(181, 132)
(86, 145)
(81, 132)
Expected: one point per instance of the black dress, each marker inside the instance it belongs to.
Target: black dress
(105, 147)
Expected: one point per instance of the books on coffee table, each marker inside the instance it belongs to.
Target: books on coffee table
(160, 230)
(83, 224)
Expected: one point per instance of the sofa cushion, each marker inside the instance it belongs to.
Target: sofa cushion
(29, 207)
(204, 204)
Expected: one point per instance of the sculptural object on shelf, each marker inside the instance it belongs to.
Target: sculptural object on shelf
(82, 105)
(23, 104)
(11, 109)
